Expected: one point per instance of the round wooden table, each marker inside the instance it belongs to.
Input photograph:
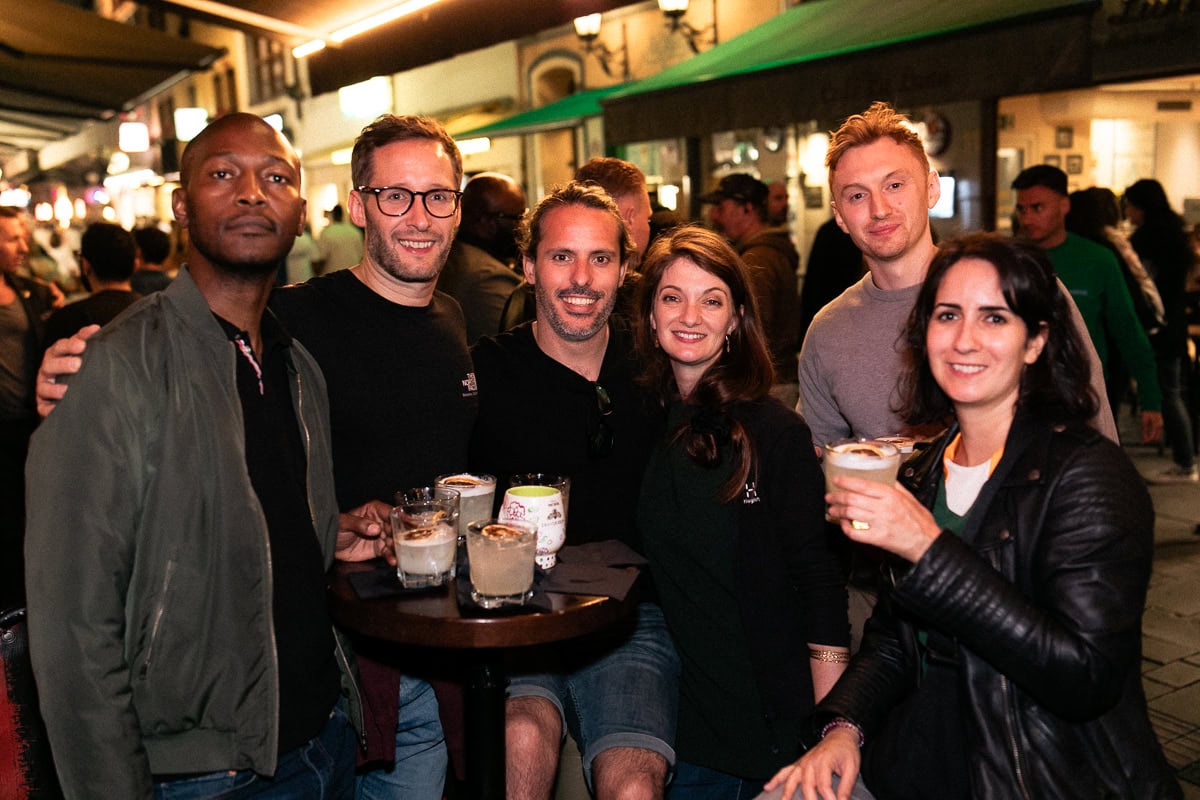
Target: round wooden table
(433, 619)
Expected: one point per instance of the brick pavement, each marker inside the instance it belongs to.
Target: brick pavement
(1171, 623)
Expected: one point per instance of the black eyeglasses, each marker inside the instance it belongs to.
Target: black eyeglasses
(395, 201)
(600, 441)
(508, 217)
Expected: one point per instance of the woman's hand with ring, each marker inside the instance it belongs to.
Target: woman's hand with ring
(882, 515)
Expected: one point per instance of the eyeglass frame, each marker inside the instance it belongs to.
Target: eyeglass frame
(375, 190)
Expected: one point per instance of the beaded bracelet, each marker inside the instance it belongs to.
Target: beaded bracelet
(829, 656)
(842, 722)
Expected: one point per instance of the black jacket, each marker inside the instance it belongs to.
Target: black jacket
(790, 586)
(1043, 598)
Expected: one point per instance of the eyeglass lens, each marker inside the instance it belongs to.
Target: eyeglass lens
(395, 201)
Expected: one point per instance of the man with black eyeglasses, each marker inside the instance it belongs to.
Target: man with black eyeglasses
(557, 395)
(479, 271)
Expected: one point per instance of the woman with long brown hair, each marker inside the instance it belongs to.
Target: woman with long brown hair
(731, 516)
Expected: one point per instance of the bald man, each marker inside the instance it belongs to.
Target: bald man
(479, 272)
(184, 632)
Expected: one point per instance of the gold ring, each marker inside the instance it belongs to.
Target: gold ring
(859, 526)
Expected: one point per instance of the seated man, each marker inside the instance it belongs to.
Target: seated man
(568, 375)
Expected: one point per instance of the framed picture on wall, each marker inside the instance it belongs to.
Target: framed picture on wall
(1075, 164)
(1053, 161)
(1064, 137)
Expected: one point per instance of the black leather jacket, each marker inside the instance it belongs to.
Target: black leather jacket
(1043, 597)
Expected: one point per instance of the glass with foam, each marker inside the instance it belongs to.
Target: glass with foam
(426, 537)
(870, 459)
(476, 493)
(501, 555)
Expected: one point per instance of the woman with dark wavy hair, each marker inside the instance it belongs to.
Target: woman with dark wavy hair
(732, 522)
(1002, 660)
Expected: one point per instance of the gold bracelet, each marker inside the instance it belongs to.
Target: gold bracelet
(829, 656)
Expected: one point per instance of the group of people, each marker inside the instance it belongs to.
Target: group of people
(216, 466)
(116, 267)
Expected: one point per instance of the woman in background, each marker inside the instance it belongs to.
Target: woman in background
(731, 515)
(1162, 243)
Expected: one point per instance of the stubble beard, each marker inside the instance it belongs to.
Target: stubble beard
(548, 314)
(249, 269)
(393, 264)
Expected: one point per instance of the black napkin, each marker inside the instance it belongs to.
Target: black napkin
(382, 581)
(469, 608)
(606, 569)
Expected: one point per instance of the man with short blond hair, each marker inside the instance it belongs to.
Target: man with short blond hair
(882, 189)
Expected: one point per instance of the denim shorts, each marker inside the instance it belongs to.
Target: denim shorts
(615, 690)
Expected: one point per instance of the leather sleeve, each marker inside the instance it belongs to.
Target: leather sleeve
(1067, 631)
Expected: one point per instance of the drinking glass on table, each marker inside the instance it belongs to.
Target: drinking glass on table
(417, 494)
(426, 537)
(560, 482)
(501, 556)
(544, 506)
(870, 459)
(476, 492)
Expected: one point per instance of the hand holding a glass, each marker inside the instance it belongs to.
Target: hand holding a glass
(362, 533)
(426, 537)
(863, 496)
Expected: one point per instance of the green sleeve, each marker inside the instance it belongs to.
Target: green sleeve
(1127, 333)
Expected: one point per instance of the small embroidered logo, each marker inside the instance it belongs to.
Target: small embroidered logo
(470, 388)
(750, 495)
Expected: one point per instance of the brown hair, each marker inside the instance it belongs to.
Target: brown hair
(614, 175)
(388, 129)
(588, 195)
(877, 122)
(743, 373)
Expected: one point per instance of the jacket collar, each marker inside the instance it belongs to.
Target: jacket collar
(1028, 435)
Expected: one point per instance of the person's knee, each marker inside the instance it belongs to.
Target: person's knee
(629, 773)
(531, 725)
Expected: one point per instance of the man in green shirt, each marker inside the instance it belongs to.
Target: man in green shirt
(1092, 275)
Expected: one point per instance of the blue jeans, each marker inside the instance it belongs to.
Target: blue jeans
(616, 694)
(320, 769)
(694, 782)
(1177, 425)
(419, 771)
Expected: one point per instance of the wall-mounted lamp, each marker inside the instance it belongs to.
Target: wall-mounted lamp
(587, 28)
(674, 10)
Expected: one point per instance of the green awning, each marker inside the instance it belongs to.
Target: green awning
(824, 59)
(564, 113)
(826, 29)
